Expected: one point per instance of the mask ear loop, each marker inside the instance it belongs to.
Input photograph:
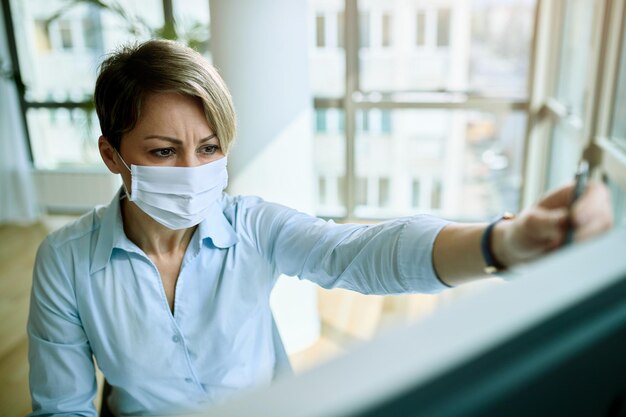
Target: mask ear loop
(126, 192)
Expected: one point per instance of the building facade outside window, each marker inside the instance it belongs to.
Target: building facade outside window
(461, 163)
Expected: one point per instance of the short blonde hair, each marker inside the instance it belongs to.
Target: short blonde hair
(132, 73)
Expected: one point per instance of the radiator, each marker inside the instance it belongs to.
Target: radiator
(73, 191)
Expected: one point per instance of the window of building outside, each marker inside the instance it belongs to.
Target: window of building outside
(420, 28)
(415, 193)
(463, 163)
(386, 30)
(320, 31)
(443, 27)
(60, 48)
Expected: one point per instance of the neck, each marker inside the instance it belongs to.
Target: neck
(151, 236)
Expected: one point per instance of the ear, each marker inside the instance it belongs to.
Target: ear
(108, 155)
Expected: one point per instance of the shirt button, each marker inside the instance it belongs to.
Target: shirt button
(176, 338)
(188, 380)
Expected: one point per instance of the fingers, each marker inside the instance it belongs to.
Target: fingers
(592, 215)
(547, 225)
(559, 198)
(543, 228)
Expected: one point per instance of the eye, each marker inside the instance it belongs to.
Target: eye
(209, 149)
(163, 153)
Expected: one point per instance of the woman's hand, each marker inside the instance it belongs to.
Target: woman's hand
(543, 227)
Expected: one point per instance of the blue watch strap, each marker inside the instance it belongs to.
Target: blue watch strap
(491, 263)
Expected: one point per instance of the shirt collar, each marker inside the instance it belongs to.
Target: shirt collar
(111, 232)
(217, 227)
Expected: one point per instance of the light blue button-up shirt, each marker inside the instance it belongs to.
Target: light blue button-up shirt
(97, 295)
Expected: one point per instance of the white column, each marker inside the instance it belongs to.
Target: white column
(260, 49)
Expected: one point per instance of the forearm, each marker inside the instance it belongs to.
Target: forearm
(457, 255)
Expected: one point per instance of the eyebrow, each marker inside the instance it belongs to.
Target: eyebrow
(177, 141)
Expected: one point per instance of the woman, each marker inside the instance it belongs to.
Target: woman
(168, 286)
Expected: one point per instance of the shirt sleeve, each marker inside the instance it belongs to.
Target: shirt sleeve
(387, 258)
(62, 373)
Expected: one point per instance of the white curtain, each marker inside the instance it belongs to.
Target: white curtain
(18, 196)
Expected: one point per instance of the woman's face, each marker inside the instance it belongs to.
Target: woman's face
(172, 131)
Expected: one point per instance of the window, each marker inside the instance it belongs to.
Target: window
(320, 30)
(420, 38)
(565, 152)
(414, 137)
(327, 50)
(581, 94)
(443, 27)
(330, 161)
(321, 189)
(575, 53)
(320, 121)
(65, 34)
(494, 61)
(60, 45)
(91, 32)
(341, 121)
(435, 196)
(341, 194)
(476, 156)
(361, 191)
(364, 30)
(415, 193)
(567, 102)
(42, 36)
(384, 193)
(386, 30)
(385, 121)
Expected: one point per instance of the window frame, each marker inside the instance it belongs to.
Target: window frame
(610, 158)
(605, 158)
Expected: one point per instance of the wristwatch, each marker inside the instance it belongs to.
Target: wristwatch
(492, 266)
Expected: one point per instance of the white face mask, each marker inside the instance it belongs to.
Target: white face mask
(177, 197)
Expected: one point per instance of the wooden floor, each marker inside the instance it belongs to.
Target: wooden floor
(347, 318)
(18, 246)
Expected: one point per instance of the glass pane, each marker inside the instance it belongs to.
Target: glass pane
(60, 46)
(326, 52)
(64, 137)
(618, 130)
(474, 45)
(463, 165)
(575, 50)
(443, 28)
(330, 162)
(618, 197)
(192, 24)
(565, 153)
